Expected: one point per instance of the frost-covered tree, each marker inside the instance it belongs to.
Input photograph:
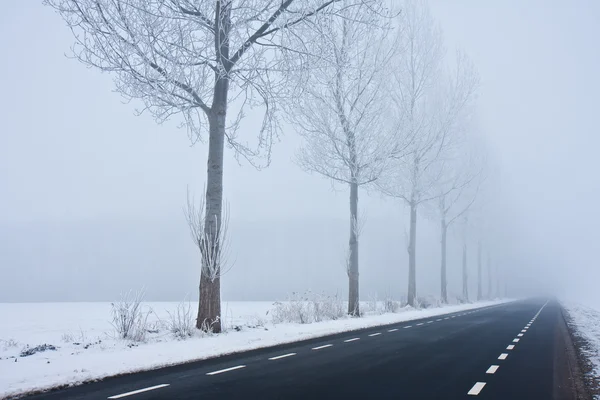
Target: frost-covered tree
(199, 59)
(455, 192)
(428, 102)
(342, 115)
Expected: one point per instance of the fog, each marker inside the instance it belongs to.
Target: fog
(91, 195)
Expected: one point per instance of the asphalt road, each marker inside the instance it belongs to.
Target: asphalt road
(509, 352)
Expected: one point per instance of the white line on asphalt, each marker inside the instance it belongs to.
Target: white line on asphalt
(351, 340)
(447, 318)
(510, 347)
(375, 334)
(476, 389)
(515, 340)
(438, 320)
(322, 347)
(118, 396)
(520, 335)
(430, 322)
(226, 370)
(392, 330)
(453, 316)
(419, 324)
(503, 356)
(408, 326)
(492, 369)
(282, 356)
(523, 330)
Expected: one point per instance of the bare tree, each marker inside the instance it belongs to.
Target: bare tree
(489, 274)
(465, 272)
(456, 192)
(479, 272)
(428, 103)
(341, 115)
(196, 59)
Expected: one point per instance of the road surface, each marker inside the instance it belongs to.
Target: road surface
(510, 352)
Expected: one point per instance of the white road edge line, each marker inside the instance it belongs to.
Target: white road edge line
(225, 370)
(119, 396)
(282, 356)
(503, 356)
(351, 340)
(476, 389)
(492, 369)
(322, 347)
(510, 347)
(375, 334)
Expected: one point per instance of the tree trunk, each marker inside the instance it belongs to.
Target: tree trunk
(489, 267)
(443, 271)
(209, 308)
(497, 281)
(353, 294)
(479, 289)
(465, 277)
(412, 259)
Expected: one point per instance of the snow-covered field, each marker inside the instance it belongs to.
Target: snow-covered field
(87, 349)
(586, 322)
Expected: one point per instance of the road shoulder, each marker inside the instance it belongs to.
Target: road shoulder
(573, 371)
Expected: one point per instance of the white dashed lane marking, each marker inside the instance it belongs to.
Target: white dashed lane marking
(375, 334)
(408, 326)
(226, 370)
(322, 347)
(520, 335)
(392, 330)
(503, 356)
(351, 340)
(420, 323)
(492, 369)
(282, 356)
(515, 340)
(476, 389)
(523, 330)
(438, 320)
(510, 347)
(430, 322)
(119, 396)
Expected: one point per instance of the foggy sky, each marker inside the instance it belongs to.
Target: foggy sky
(91, 195)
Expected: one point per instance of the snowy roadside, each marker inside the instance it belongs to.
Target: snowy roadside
(584, 323)
(86, 349)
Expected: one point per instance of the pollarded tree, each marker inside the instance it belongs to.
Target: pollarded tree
(428, 103)
(342, 114)
(195, 58)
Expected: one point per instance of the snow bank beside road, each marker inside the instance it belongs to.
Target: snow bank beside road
(87, 350)
(584, 321)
